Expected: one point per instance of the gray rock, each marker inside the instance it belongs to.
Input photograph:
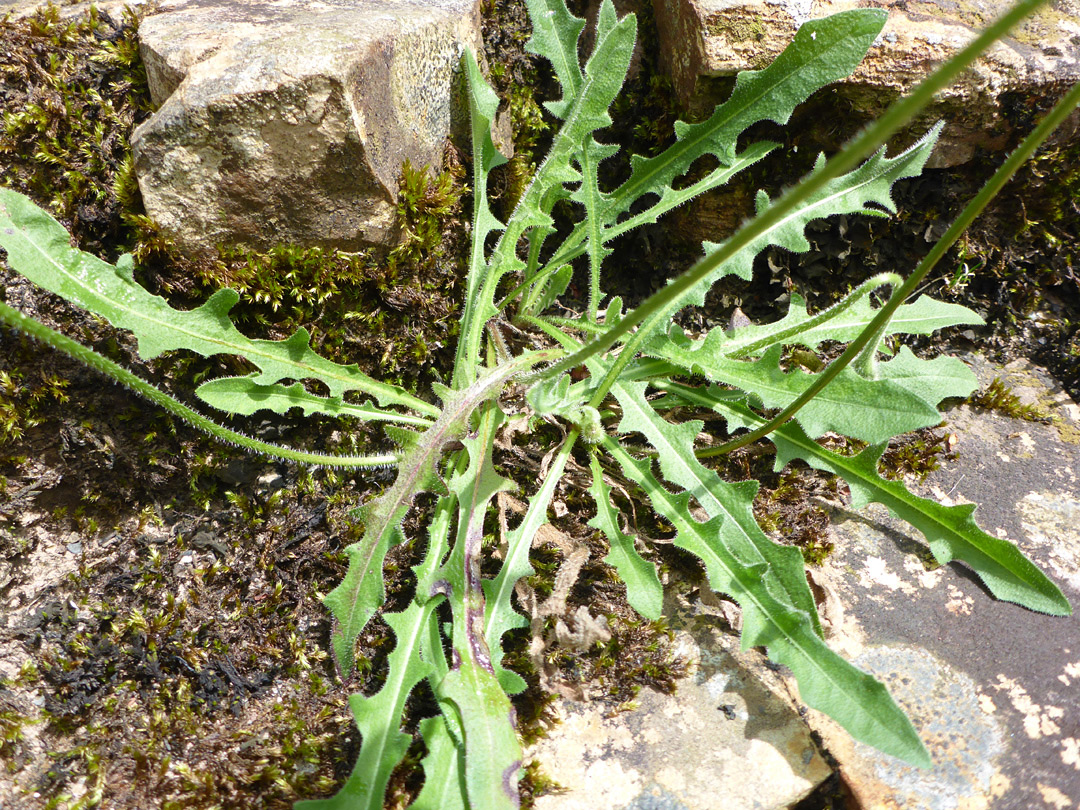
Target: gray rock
(703, 39)
(289, 121)
(991, 687)
(727, 738)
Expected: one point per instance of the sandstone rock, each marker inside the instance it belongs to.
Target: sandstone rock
(724, 739)
(289, 121)
(991, 687)
(703, 39)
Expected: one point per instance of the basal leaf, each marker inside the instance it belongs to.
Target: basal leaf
(244, 396)
(643, 589)
(842, 323)
(866, 190)
(869, 410)
(822, 52)
(492, 750)
(826, 681)
(591, 197)
(951, 531)
(379, 717)
(930, 380)
(38, 247)
(555, 33)
(361, 592)
(604, 75)
(731, 504)
(500, 613)
(479, 309)
(444, 766)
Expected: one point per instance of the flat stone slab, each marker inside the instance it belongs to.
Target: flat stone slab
(702, 39)
(993, 688)
(288, 121)
(726, 739)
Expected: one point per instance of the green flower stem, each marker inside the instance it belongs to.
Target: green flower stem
(896, 116)
(880, 280)
(89, 357)
(1058, 114)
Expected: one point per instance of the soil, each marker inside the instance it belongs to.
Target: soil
(162, 639)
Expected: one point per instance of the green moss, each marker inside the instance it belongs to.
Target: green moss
(393, 313)
(736, 29)
(997, 397)
(915, 455)
(784, 510)
(534, 784)
(12, 725)
(180, 672)
(71, 92)
(638, 654)
(23, 394)
(517, 77)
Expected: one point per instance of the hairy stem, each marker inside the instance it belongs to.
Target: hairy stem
(106, 366)
(864, 289)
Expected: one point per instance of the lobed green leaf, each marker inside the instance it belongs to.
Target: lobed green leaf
(244, 396)
(826, 681)
(492, 749)
(644, 591)
(865, 190)
(444, 766)
(869, 410)
(483, 106)
(38, 247)
(950, 531)
(841, 323)
(730, 504)
(379, 717)
(354, 601)
(555, 34)
(500, 615)
(823, 51)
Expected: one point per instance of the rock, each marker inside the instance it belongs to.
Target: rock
(704, 39)
(68, 8)
(991, 687)
(724, 739)
(284, 121)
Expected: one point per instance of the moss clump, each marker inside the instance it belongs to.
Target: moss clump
(783, 508)
(997, 397)
(13, 722)
(640, 653)
(71, 91)
(393, 312)
(181, 665)
(534, 784)
(23, 393)
(518, 77)
(916, 455)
